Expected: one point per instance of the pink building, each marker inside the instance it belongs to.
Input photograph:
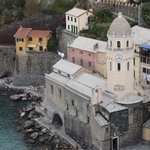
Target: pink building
(85, 52)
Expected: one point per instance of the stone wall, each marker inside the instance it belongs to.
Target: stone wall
(134, 133)
(31, 67)
(77, 130)
(7, 60)
(65, 37)
(129, 10)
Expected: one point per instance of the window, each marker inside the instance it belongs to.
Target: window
(68, 27)
(73, 59)
(20, 40)
(110, 43)
(118, 67)
(127, 44)
(148, 71)
(60, 94)
(81, 52)
(30, 48)
(41, 48)
(76, 29)
(90, 64)
(75, 19)
(72, 50)
(52, 90)
(107, 129)
(110, 65)
(76, 112)
(72, 102)
(148, 60)
(81, 62)
(89, 54)
(71, 19)
(144, 70)
(133, 61)
(88, 119)
(128, 66)
(134, 74)
(40, 39)
(30, 38)
(118, 44)
(20, 49)
(68, 17)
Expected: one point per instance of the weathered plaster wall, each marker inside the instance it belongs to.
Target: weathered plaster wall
(30, 68)
(7, 60)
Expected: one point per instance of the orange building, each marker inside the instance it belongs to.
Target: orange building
(31, 40)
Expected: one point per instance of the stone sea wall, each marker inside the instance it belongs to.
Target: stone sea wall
(31, 67)
(7, 60)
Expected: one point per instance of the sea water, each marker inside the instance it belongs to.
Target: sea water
(9, 138)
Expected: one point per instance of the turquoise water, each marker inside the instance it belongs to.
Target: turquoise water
(9, 138)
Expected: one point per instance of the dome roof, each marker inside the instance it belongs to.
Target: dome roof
(119, 27)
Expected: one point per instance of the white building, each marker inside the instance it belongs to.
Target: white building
(77, 20)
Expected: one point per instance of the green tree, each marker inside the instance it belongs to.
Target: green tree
(19, 14)
(52, 44)
(31, 7)
(6, 16)
(103, 15)
(146, 15)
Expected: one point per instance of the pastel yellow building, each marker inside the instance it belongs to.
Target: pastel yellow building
(77, 20)
(31, 40)
(146, 131)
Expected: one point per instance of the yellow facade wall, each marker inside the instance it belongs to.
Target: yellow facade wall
(137, 68)
(35, 44)
(146, 134)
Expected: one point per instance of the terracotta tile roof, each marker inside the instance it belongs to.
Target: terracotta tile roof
(22, 32)
(39, 33)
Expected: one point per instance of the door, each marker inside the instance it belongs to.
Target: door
(115, 143)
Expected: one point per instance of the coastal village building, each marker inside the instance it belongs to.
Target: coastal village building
(102, 114)
(89, 53)
(31, 40)
(77, 20)
(142, 52)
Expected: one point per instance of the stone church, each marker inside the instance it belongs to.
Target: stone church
(100, 114)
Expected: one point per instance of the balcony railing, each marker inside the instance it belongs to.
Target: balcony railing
(118, 49)
(35, 51)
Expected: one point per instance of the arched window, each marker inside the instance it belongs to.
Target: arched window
(110, 65)
(128, 66)
(118, 44)
(110, 43)
(127, 44)
(118, 66)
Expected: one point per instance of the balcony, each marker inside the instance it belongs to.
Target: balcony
(118, 49)
(34, 51)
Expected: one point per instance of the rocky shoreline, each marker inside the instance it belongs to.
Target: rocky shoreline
(35, 136)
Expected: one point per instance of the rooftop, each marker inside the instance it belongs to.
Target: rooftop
(141, 32)
(89, 44)
(23, 32)
(110, 105)
(76, 12)
(101, 120)
(67, 67)
(147, 124)
(130, 98)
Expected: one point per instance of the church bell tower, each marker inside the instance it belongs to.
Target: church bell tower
(119, 54)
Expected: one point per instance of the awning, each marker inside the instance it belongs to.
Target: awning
(31, 45)
(145, 46)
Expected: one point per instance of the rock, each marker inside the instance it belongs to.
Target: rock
(22, 114)
(41, 133)
(31, 141)
(34, 135)
(43, 138)
(28, 124)
(18, 128)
